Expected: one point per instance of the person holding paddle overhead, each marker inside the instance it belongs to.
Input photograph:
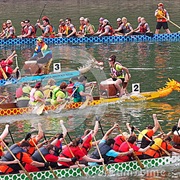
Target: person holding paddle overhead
(162, 19)
(59, 94)
(119, 74)
(80, 94)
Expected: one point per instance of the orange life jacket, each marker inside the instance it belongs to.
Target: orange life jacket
(118, 141)
(160, 14)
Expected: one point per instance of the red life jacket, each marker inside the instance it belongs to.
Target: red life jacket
(143, 28)
(118, 141)
(33, 34)
(87, 144)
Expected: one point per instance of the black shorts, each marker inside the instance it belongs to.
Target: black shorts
(162, 24)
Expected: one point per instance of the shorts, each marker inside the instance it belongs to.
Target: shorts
(162, 24)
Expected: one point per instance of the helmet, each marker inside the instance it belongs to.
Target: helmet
(160, 4)
(10, 62)
(40, 39)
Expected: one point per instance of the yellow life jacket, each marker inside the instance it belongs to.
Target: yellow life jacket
(160, 14)
(157, 144)
(141, 135)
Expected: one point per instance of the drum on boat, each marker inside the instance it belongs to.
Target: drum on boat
(107, 89)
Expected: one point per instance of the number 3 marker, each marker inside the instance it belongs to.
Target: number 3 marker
(57, 67)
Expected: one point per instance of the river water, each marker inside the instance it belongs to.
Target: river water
(150, 64)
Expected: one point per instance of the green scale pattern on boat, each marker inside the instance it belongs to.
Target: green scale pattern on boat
(95, 170)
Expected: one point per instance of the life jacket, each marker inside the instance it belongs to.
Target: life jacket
(157, 144)
(160, 14)
(1, 150)
(87, 144)
(55, 91)
(37, 156)
(26, 29)
(142, 141)
(76, 93)
(86, 29)
(81, 27)
(8, 32)
(62, 29)
(15, 149)
(119, 74)
(118, 141)
(58, 147)
(143, 28)
(176, 137)
(51, 33)
(32, 99)
(68, 30)
(104, 148)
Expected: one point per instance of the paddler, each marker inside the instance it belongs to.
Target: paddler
(59, 94)
(176, 135)
(118, 75)
(42, 55)
(162, 19)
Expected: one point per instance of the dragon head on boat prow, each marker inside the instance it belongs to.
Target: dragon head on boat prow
(175, 85)
(92, 64)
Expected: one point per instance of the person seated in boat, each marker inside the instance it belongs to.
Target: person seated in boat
(74, 150)
(70, 29)
(28, 30)
(126, 27)
(161, 147)
(88, 29)
(42, 56)
(80, 33)
(48, 153)
(130, 143)
(59, 94)
(176, 135)
(47, 89)
(36, 95)
(162, 18)
(47, 28)
(100, 27)
(143, 28)
(118, 75)
(106, 148)
(107, 29)
(10, 33)
(61, 29)
(34, 138)
(80, 94)
(139, 22)
(23, 95)
(4, 30)
(5, 66)
(20, 152)
(118, 32)
(70, 86)
(2, 137)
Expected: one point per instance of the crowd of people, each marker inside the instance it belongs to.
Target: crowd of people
(67, 29)
(36, 154)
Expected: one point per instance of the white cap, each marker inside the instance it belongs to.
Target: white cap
(81, 18)
(105, 20)
(118, 19)
(8, 22)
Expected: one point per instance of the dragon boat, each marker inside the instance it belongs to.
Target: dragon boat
(95, 39)
(171, 85)
(121, 169)
(57, 76)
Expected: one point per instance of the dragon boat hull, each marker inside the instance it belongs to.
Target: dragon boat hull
(95, 39)
(121, 169)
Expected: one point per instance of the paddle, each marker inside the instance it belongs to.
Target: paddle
(3, 73)
(40, 17)
(44, 159)
(171, 22)
(101, 128)
(28, 175)
(105, 168)
(61, 107)
(151, 140)
(18, 73)
(11, 136)
(87, 100)
(134, 154)
(83, 173)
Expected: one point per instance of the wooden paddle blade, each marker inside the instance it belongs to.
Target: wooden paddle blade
(138, 161)
(38, 109)
(84, 105)
(61, 107)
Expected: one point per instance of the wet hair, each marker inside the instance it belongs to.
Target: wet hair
(110, 141)
(87, 131)
(25, 144)
(49, 147)
(47, 20)
(132, 139)
(76, 142)
(63, 85)
(68, 19)
(150, 127)
(168, 138)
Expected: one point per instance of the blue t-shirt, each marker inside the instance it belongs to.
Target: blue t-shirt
(110, 153)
